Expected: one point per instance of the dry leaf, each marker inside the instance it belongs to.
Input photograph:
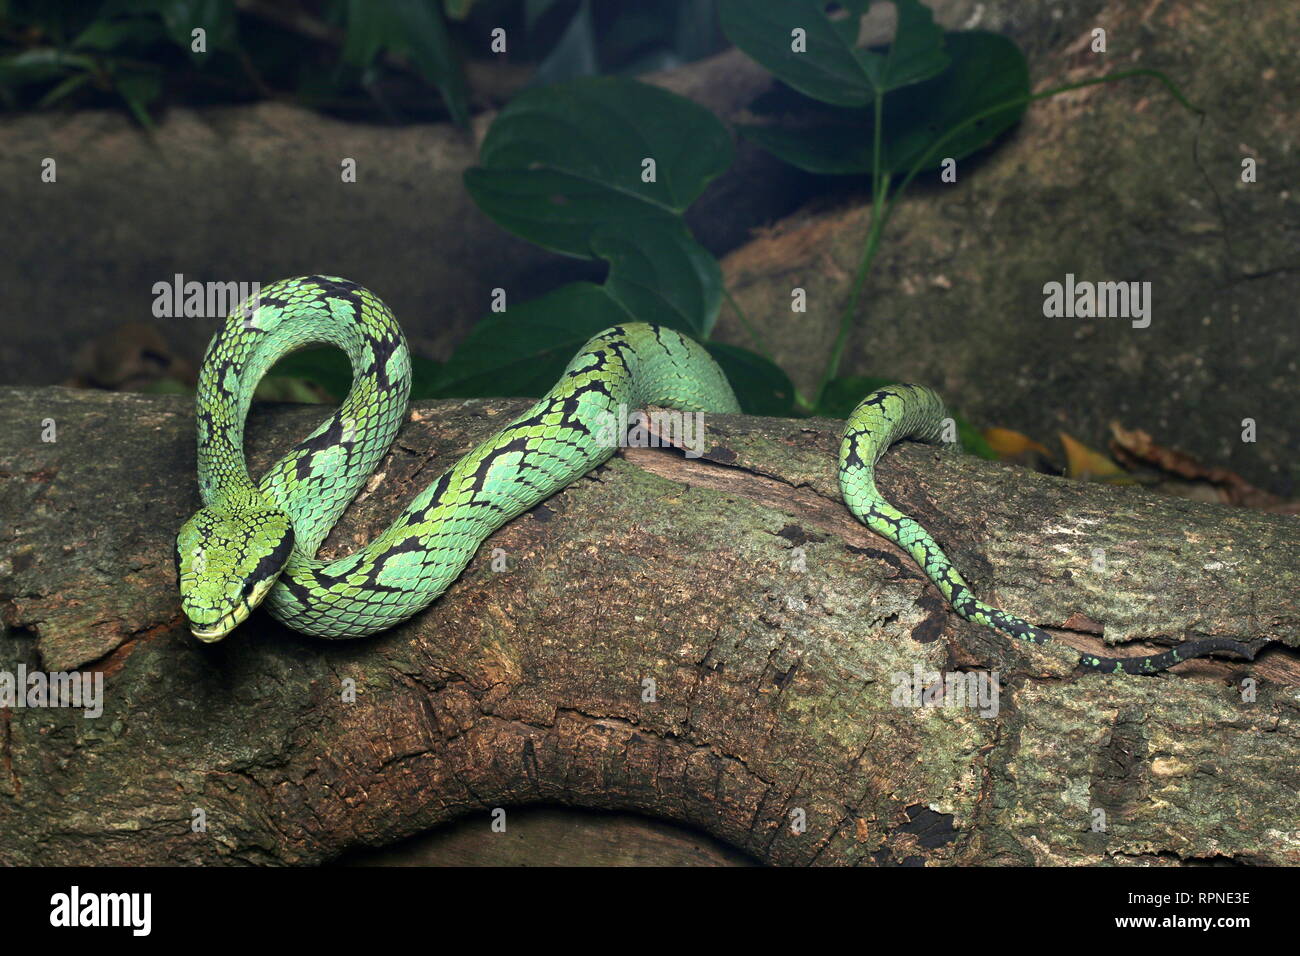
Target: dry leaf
(1137, 447)
(1083, 463)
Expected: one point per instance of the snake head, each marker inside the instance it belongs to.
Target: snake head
(226, 561)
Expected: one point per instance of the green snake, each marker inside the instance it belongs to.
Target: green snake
(254, 542)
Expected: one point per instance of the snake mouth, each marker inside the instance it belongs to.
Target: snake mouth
(215, 632)
(212, 633)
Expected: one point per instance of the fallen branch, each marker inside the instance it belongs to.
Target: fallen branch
(712, 641)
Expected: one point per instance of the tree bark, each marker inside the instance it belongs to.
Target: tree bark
(768, 627)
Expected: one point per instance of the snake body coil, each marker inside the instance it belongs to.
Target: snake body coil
(255, 542)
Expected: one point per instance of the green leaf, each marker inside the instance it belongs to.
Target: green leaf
(413, 28)
(972, 440)
(761, 387)
(370, 27)
(523, 351)
(328, 369)
(68, 85)
(138, 90)
(987, 70)
(215, 17)
(574, 54)
(658, 273)
(106, 34)
(41, 64)
(832, 69)
(425, 376)
(916, 54)
(562, 161)
(457, 9)
(323, 366)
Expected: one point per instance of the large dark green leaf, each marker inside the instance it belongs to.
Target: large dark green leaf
(833, 69)
(558, 211)
(658, 273)
(562, 161)
(761, 387)
(523, 351)
(987, 70)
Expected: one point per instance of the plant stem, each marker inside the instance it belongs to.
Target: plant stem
(879, 213)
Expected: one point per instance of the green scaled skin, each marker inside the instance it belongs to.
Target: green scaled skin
(913, 411)
(256, 541)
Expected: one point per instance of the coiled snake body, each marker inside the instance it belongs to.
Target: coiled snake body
(254, 542)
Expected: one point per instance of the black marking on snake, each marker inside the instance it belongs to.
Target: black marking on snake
(300, 593)
(273, 301)
(343, 288)
(270, 564)
(436, 492)
(569, 407)
(402, 547)
(382, 350)
(333, 435)
(851, 457)
(656, 330)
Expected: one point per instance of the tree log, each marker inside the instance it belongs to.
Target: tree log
(712, 641)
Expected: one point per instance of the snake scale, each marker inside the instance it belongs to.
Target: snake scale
(254, 542)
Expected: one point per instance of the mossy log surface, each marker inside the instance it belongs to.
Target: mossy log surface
(768, 623)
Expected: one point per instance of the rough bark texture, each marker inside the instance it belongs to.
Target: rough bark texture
(773, 686)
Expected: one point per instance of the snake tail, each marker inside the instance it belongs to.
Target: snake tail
(899, 412)
(255, 541)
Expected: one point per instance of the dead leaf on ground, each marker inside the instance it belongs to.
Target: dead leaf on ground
(1086, 464)
(1136, 448)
